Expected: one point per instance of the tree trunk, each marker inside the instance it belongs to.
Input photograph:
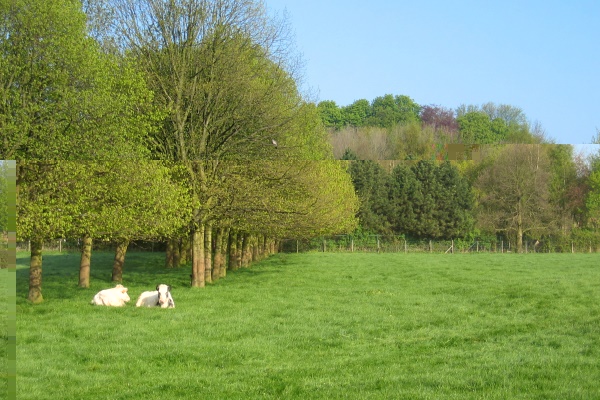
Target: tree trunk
(198, 258)
(219, 261)
(519, 239)
(169, 254)
(224, 253)
(239, 250)
(117, 273)
(244, 251)
(184, 249)
(86, 259)
(176, 253)
(232, 247)
(265, 247)
(519, 228)
(208, 253)
(35, 273)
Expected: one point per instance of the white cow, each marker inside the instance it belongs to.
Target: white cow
(115, 297)
(160, 297)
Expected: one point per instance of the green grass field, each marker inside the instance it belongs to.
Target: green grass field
(312, 326)
(5, 281)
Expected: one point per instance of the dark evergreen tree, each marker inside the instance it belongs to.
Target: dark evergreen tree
(371, 183)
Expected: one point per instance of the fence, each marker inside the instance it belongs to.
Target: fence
(74, 245)
(398, 244)
(365, 243)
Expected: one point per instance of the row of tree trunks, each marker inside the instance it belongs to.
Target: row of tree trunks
(179, 252)
(215, 251)
(238, 248)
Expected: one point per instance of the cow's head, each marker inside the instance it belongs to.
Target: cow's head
(163, 295)
(122, 290)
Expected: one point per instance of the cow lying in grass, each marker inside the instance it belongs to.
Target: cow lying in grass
(160, 297)
(115, 297)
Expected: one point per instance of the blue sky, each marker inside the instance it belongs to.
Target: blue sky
(541, 56)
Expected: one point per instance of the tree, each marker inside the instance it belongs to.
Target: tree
(330, 114)
(403, 194)
(515, 193)
(390, 110)
(454, 202)
(564, 183)
(4, 196)
(356, 113)
(60, 96)
(371, 185)
(226, 75)
(592, 201)
(493, 123)
(439, 118)
(476, 127)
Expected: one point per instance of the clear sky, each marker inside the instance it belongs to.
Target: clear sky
(542, 56)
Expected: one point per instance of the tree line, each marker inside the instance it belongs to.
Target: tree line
(152, 120)
(514, 182)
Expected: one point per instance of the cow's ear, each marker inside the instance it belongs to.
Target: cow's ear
(169, 288)
(124, 290)
(157, 287)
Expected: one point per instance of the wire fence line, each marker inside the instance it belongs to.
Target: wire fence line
(364, 243)
(74, 245)
(399, 244)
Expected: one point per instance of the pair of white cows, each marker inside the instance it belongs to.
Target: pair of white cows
(117, 297)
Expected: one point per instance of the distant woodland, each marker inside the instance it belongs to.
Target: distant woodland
(477, 171)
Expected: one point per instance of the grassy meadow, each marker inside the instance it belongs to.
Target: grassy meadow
(6, 313)
(315, 325)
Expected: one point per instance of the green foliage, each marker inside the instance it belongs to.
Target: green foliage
(356, 113)
(330, 114)
(422, 200)
(5, 192)
(592, 201)
(439, 326)
(371, 184)
(129, 199)
(384, 111)
(491, 124)
(431, 200)
(476, 127)
(60, 96)
(389, 110)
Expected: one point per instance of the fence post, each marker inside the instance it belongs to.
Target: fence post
(477, 241)
(502, 246)
(405, 249)
(352, 245)
(60, 245)
(324, 245)
(526, 247)
(430, 248)
(297, 247)
(572, 248)
(452, 246)
(377, 243)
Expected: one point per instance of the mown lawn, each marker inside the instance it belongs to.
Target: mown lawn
(312, 326)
